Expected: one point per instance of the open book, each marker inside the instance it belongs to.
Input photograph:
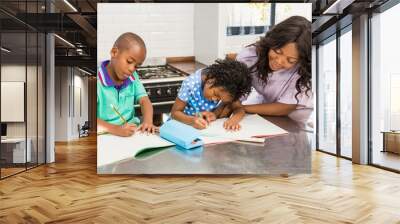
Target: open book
(111, 148)
(253, 129)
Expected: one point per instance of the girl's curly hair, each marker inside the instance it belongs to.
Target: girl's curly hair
(295, 29)
(232, 75)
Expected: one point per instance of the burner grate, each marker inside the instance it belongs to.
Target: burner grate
(157, 73)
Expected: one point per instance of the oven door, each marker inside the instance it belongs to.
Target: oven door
(162, 96)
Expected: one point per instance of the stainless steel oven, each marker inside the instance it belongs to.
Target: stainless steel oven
(162, 83)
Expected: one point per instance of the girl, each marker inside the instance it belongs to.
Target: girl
(204, 94)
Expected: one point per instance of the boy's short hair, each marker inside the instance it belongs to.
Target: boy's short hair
(232, 75)
(126, 40)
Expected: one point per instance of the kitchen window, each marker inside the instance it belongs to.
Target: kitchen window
(249, 18)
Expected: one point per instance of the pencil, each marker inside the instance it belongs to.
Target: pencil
(200, 116)
(119, 114)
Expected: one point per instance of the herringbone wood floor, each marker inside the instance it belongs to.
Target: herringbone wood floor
(70, 191)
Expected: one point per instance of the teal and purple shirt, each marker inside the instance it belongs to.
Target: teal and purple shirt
(123, 97)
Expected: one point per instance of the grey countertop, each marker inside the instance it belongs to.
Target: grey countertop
(287, 154)
(187, 67)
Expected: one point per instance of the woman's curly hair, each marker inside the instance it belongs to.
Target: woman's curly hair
(232, 75)
(295, 29)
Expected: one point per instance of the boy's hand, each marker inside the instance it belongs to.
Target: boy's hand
(208, 116)
(199, 123)
(148, 128)
(126, 130)
(232, 124)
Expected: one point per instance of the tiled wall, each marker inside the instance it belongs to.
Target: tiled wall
(167, 29)
(171, 29)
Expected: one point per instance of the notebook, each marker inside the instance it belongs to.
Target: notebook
(254, 128)
(181, 134)
(113, 148)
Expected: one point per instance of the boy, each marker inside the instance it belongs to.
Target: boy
(119, 88)
(208, 93)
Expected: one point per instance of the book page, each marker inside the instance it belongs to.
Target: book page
(252, 125)
(111, 148)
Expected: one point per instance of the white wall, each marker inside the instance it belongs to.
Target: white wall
(68, 83)
(33, 127)
(234, 44)
(12, 101)
(12, 73)
(79, 117)
(206, 30)
(210, 39)
(171, 30)
(167, 29)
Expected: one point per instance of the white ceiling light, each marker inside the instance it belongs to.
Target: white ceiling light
(70, 5)
(5, 50)
(65, 41)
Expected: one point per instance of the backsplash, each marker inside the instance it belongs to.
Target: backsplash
(167, 29)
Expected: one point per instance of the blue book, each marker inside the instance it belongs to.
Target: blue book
(181, 134)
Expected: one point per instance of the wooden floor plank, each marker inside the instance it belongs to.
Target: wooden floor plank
(70, 191)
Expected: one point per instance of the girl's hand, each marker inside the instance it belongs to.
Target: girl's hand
(199, 123)
(232, 124)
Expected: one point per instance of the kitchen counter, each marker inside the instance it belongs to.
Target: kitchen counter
(187, 67)
(286, 154)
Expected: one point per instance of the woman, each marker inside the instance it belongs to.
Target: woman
(280, 64)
